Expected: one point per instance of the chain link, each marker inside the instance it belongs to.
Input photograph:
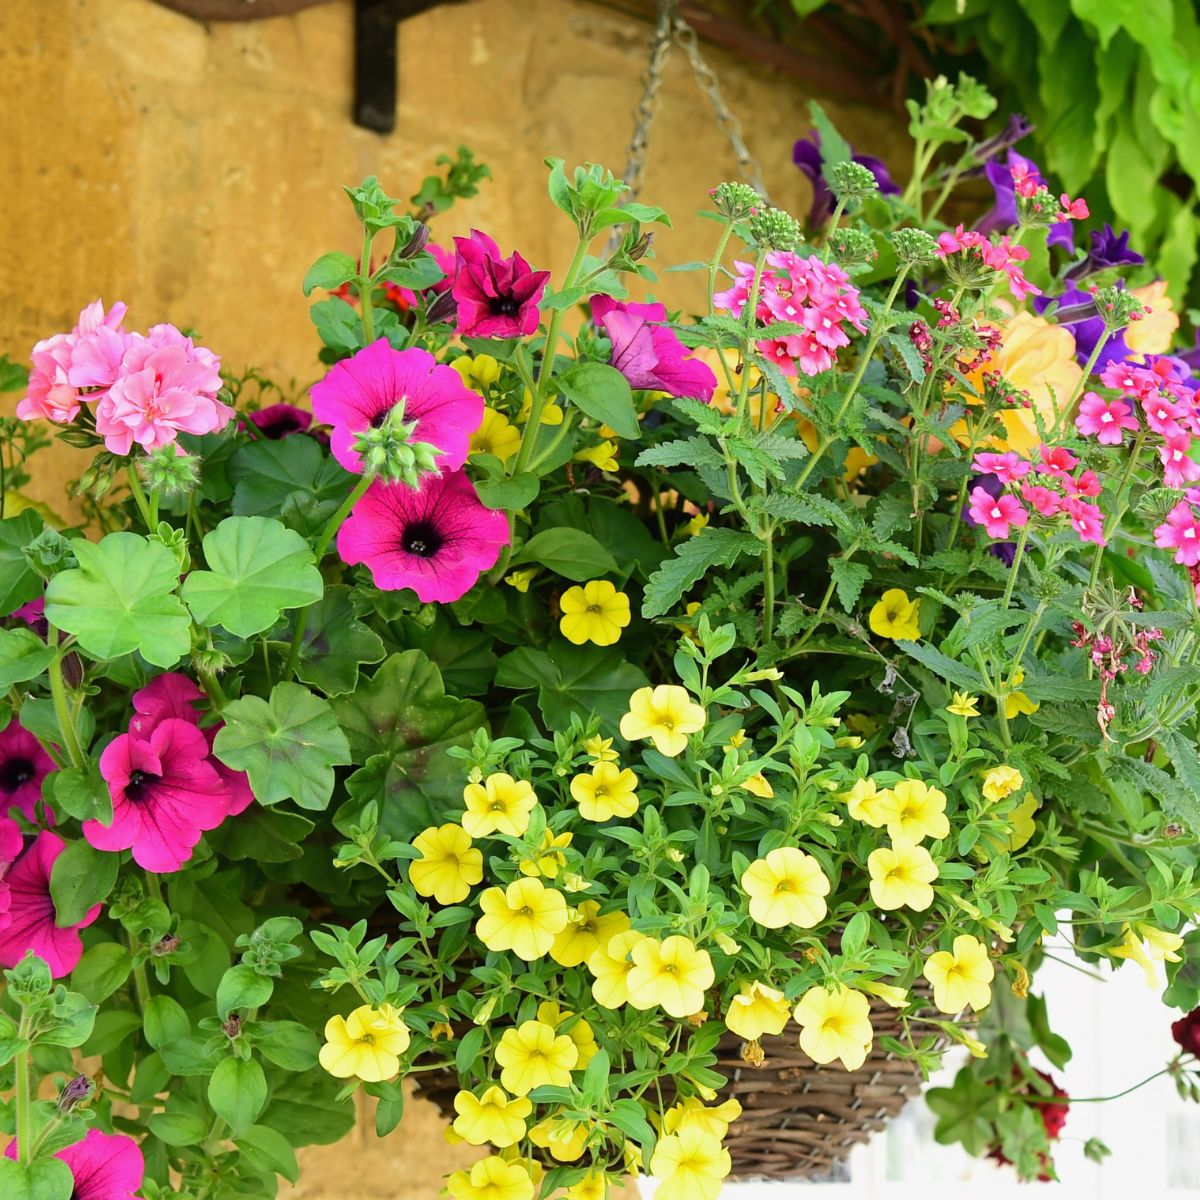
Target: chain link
(647, 108)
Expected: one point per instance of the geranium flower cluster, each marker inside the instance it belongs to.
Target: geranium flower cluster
(140, 388)
(803, 291)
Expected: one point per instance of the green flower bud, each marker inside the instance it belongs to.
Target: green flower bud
(29, 981)
(176, 541)
(851, 182)
(775, 229)
(387, 452)
(49, 553)
(168, 473)
(852, 247)
(913, 246)
(1117, 308)
(737, 201)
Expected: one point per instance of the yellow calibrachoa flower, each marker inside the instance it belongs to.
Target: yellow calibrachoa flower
(896, 616)
(605, 793)
(599, 749)
(1148, 946)
(576, 1028)
(493, 1119)
(500, 804)
(590, 1187)
(596, 612)
(1000, 782)
(864, 802)
(586, 932)
(758, 785)
(367, 1044)
(787, 887)
(913, 811)
(835, 1025)
(491, 1178)
(964, 705)
(565, 1139)
(550, 857)
(897, 997)
(1022, 822)
(690, 1113)
(496, 435)
(961, 978)
(1017, 703)
(611, 965)
(602, 456)
(673, 974)
(525, 918)
(665, 714)
(478, 372)
(757, 1010)
(448, 867)
(532, 1055)
(690, 1165)
(901, 875)
(696, 524)
(552, 413)
(521, 579)
(1154, 333)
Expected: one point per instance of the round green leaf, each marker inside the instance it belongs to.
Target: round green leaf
(570, 553)
(165, 1021)
(237, 1092)
(242, 987)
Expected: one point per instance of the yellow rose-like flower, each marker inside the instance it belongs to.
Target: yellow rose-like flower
(1148, 946)
(913, 811)
(603, 456)
(758, 785)
(690, 1165)
(521, 579)
(478, 372)
(611, 965)
(757, 1010)
(673, 974)
(964, 705)
(448, 866)
(896, 616)
(1000, 782)
(787, 887)
(367, 1044)
(596, 612)
(564, 1138)
(599, 749)
(835, 1025)
(901, 876)
(496, 435)
(1154, 333)
(690, 1113)
(525, 918)
(576, 1028)
(550, 857)
(552, 413)
(586, 932)
(864, 802)
(665, 714)
(605, 793)
(500, 804)
(961, 978)
(533, 1055)
(492, 1119)
(491, 1178)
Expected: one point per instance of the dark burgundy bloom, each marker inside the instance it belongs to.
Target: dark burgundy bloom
(806, 154)
(1109, 249)
(1186, 1031)
(1003, 215)
(280, 420)
(497, 297)
(104, 1166)
(648, 353)
(23, 767)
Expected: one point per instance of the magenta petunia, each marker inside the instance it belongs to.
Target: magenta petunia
(165, 794)
(360, 391)
(104, 1166)
(436, 539)
(32, 920)
(496, 297)
(648, 353)
(23, 767)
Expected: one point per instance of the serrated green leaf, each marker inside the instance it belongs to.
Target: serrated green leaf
(693, 558)
(850, 578)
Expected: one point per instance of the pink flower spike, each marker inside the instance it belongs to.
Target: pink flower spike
(1105, 420)
(24, 766)
(1008, 467)
(1046, 502)
(497, 297)
(1057, 460)
(997, 514)
(825, 325)
(1179, 468)
(1180, 532)
(810, 354)
(104, 1166)
(780, 352)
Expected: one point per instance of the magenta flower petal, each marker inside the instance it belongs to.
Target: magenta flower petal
(236, 783)
(360, 391)
(436, 539)
(165, 696)
(23, 767)
(104, 1166)
(31, 915)
(496, 297)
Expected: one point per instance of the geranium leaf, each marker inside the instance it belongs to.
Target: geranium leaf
(288, 745)
(120, 599)
(266, 473)
(257, 568)
(335, 643)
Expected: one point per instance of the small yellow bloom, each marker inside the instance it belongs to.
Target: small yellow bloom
(602, 456)
(864, 802)
(596, 612)
(665, 714)
(688, 627)
(599, 749)
(605, 793)
(492, 1119)
(552, 414)
(576, 1028)
(590, 1187)
(533, 1055)
(1154, 333)
(550, 857)
(491, 1178)
(1022, 822)
(758, 785)
(448, 867)
(1017, 703)
(691, 1113)
(787, 887)
(564, 1138)
(501, 804)
(901, 876)
(962, 978)
(496, 435)
(757, 1010)
(525, 918)
(586, 932)
(690, 1165)
(521, 579)
(611, 965)
(672, 974)
(1000, 782)
(696, 524)
(913, 811)
(367, 1044)
(835, 1025)
(479, 372)
(897, 997)
(737, 740)
(964, 705)
(896, 616)
(1148, 946)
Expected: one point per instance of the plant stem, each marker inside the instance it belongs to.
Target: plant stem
(1022, 538)
(62, 710)
(1093, 358)
(769, 584)
(365, 285)
(715, 263)
(1121, 507)
(24, 1099)
(1118, 1095)
(139, 496)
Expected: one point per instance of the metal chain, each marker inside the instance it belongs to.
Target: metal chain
(647, 108)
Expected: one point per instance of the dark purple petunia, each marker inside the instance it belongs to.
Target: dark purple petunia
(104, 1166)
(1076, 313)
(806, 154)
(1004, 551)
(1109, 249)
(280, 420)
(1003, 214)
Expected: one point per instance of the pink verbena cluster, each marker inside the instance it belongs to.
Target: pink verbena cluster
(143, 388)
(802, 291)
(1000, 255)
(1027, 184)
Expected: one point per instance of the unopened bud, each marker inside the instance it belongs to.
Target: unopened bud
(852, 247)
(49, 553)
(775, 229)
(444, 308)
(851, 182)
(415, 244)
(753, 1054)
(231, 1027)
(169, 472)
(387, 451)
(74, 1093)
(165, 945)
(913, 246)
(737, 201)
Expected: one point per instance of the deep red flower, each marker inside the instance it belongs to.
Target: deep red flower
(497, 297)
(1186, 1031)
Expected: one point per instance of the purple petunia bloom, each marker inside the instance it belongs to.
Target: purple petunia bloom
(23, 767)
(1003, 214)
(497, 297)
(648, 353)
(1109, 249)
(806, 154)
(104, 1166)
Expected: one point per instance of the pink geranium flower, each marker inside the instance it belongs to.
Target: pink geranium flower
(648, 353)
(24, 765)
(997, 514)
(51, 395)
(104, 1166)
(1008, 467)
(436, 539)
(165, 794)
(360, 391)
(1105, 420)
(497, 297)
(1180, 532)
(32, 919)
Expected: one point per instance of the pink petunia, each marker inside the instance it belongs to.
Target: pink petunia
(360, 391)
(496, 297)
(1047, 503)
(1105, 420)
(24, 766)
(1057, 460)
(165, 795)
(1180, 532)
(1179, 468)
(1008, 467)
(648, 353)
(997, 514)
(104, 1166)
(436, 539)
(32, 918)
